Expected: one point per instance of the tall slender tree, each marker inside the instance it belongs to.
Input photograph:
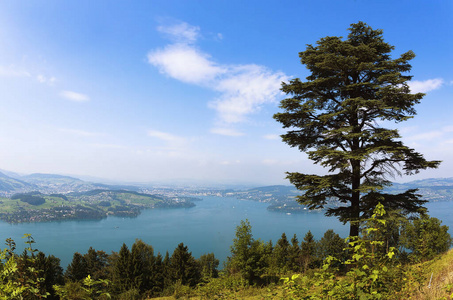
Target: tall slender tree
(184, 267)
(308, 251)
(335, 117)
(281, 253)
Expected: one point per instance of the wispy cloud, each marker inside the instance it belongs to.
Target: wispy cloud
(426, 85)
(230, 162)
(164, 136)
(243, 88)
(271, 136)
(427, 136)
(73, 96)
(434, 136)
(45, 79)
(13, 71)
(108, 146)
(226, 131)
(181, 32)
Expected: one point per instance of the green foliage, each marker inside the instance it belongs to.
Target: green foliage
(19, 277)
(372, 272)
(332, 116)
(331, 244)
(50, 270)
(184, 268)
(281, 253)
(247, 254)
(122, 270)
(308, 251)
(295, 255)
(292, 289)
(224, 287)
(143, 266)
(77, 269)
(85, 289)
(209, 264)
(425, 237)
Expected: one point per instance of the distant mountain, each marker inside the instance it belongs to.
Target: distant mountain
(51, 183)
(11, 174)
(40, 178)
(431, 189)
(275, 189)
(9, 184)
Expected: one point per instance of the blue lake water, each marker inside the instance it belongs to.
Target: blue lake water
(208, 227)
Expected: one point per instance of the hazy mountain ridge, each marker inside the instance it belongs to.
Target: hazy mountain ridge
(51, 183)
(10, 185)
(432, 189)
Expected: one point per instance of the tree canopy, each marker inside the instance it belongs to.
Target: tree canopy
(336, 117)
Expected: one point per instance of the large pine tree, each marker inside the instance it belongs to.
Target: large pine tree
(336, 115)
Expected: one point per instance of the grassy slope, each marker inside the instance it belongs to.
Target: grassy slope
(441, 269)
(422, 287)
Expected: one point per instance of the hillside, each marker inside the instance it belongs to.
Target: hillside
(10, 184)
(95, 204)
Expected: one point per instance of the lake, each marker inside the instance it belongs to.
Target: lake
(208, 227)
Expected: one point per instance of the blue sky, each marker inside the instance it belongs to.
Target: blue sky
(144, 91)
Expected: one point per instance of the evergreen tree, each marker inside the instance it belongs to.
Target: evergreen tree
(281, 253)
(184, 267)
(246, 254)
(77, 269)
(295, 255)
(308, 251)
(331, 244)
(50, 270)
(123, 270)
(143, 266)
(209, 265)
(333, 118)
(158, 276)
(96, 262)
(167, 276)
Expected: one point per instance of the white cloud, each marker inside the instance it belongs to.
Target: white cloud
(13, 71)
(243, 88)
(228, 162)
(48, 80)
(271, 136)
(425, 86)
(226, 131)
(427, 136)
(181, 32)
(434, 137)
(109, 146)
(73, 96)
(185, 63)
(270, 162)
(168, 137)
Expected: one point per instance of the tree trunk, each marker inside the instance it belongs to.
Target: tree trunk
(355, 201)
